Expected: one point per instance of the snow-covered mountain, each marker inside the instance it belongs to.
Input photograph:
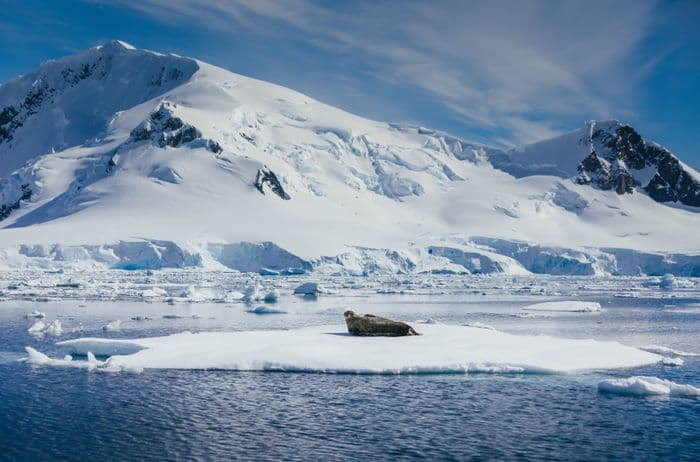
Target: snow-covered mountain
(611, 156)
(127, 158)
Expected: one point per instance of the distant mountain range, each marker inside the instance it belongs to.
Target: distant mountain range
(126, 158)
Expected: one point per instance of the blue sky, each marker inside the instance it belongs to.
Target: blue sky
(499, 72)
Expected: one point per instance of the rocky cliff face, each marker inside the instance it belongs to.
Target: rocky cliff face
(165, 129)
(620, 159)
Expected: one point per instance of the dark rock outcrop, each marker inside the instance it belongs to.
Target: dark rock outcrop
(266, 177)
(370, 325)
(619, 155)
(165, 129)
(7, 209)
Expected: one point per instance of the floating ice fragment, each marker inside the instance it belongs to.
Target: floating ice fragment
(253, 294)
(666, 361)
(234, 295)
(35, 314)
(568, 306)
(154, 292)
(112, 326)
(37, 328)
(647, 386)
(54, 328)
(265, 310)
(670, 282)
(193, 294)
(308, 288)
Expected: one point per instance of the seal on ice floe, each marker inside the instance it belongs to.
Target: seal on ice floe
(370, 325)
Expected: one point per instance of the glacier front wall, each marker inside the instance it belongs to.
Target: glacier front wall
(477, 255)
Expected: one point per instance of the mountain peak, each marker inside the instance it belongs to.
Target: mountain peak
(68, 101)
(115, 45)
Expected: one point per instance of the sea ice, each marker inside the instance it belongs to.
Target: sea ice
(569, 306)
(441, 349)
(647, 386)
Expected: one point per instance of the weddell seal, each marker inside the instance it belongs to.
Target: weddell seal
(370, 325)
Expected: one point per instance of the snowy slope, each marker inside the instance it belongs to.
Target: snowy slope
(148, 160)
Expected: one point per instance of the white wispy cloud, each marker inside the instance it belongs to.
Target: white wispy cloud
(520, 66)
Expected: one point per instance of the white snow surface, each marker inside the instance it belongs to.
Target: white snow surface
(365, 196)
(565, 306)
(647, 386)
(329, 349)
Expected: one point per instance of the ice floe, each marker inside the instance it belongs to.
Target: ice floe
(647, 386)
(441, 349)
(568, 306)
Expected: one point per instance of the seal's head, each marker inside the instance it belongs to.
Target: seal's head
(349, 314)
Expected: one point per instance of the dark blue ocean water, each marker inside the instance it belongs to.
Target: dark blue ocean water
(69, 414)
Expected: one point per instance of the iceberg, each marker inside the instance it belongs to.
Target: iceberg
(308, 288)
